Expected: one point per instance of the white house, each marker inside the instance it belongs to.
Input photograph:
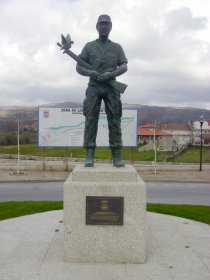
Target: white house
(182, 133)
(196, 126)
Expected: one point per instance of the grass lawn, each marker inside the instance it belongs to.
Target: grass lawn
(193, 212)
(192, 155)
(100, 153)
(15, 209)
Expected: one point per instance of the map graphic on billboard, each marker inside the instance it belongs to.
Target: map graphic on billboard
(64, 127)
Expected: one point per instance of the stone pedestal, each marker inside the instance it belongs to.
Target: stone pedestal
(104, 243)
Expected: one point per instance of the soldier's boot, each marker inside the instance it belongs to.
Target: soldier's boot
(116, 155)
(89, 161)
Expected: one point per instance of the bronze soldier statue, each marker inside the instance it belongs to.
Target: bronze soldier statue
(107, 61)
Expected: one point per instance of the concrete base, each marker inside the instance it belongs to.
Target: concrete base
(31, 248)
(104, 243)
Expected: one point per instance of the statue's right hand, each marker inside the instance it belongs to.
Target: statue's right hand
(94, 75)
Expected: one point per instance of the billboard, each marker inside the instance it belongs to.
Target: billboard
(64, 127)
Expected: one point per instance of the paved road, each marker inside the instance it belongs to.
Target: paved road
(178, 193)
(31, 191)
(157, 192)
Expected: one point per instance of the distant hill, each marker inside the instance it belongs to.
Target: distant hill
(146, 114)
(164, 115)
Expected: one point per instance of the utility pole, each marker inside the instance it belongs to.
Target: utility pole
(155, 148)
(201, 141)
(18, 171)
(18, 142)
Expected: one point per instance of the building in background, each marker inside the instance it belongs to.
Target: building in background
(196, 129)
(182, 134)
(148, 135)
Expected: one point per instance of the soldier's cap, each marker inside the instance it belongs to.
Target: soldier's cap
(102, 18)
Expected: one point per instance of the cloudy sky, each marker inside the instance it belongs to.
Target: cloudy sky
(167, 43)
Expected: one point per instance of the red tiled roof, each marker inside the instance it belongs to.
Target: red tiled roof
(24, 126)
(177, 126)
(150, 132)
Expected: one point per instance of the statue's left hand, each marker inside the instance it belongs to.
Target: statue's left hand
(105, 77)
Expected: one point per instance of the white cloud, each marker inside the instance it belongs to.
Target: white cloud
(182, 20)
(166, 41)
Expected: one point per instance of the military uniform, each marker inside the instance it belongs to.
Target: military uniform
(103, 58)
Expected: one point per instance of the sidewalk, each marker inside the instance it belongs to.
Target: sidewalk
(147, 176)
(34, 176)
(176, 176)
(32, 249)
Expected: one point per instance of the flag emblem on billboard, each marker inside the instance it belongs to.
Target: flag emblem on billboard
(46, 114)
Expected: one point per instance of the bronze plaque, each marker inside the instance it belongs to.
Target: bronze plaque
(104, 210)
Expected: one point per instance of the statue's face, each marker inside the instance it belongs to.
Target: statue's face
(104, 28)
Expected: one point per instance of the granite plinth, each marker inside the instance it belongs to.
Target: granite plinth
(104, 243)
